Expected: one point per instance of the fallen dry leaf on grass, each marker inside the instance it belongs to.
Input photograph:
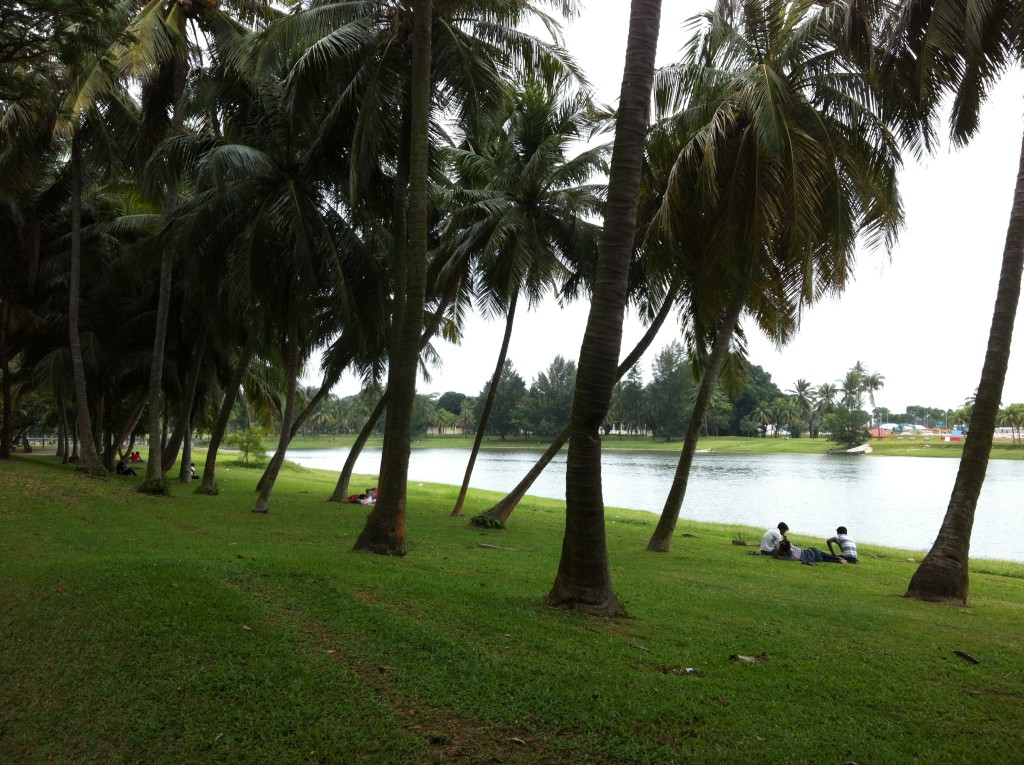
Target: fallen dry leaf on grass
(751, 659)
(968, 657)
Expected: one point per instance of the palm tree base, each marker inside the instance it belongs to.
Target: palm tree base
(159, 487)
(607, 606)
(940, 579)
(386, 547)
(657, 544)
(486, 521)
(210, 491)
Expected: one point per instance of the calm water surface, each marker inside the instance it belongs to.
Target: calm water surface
(891, 501)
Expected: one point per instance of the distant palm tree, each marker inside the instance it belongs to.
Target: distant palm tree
(802, 394)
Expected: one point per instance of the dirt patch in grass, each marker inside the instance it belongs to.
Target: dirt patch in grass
(453, 738)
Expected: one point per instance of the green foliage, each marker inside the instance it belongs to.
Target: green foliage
(483, 521)
(846, 427)
(250, 443)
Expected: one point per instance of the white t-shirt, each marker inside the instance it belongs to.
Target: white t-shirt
(770, 540)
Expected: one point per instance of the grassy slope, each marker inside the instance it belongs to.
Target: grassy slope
(186, 629)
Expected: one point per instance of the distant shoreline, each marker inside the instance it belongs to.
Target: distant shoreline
(928, 446)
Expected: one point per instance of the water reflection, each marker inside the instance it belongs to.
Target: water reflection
(892, 501)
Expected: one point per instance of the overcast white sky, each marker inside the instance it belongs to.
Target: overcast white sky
(921, 318)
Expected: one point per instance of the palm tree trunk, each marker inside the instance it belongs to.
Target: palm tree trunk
(182, 422)
(384, 532)
(329, 381)
(341, 489)
(209, 480)
(943, 574)
(291, 356)
(488, 404)
(498, 515)
(154, 482)
(90, 459)
(5, 382)
(584, 580)
(62, 428)
(661, 540)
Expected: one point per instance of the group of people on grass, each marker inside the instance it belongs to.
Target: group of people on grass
(369, 497)
(775, 544)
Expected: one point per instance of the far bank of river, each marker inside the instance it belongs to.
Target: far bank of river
(896, 502)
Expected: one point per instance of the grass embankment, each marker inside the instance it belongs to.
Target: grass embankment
(187, 629)
(917, 446)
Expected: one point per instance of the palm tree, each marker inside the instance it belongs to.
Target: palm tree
(826, 395)
(371, 50)
(583, 580)
(523, 212)
(384, 532)
(961, 48)
(758, 100)
(852, 388)
(871, 383)
(803, 395)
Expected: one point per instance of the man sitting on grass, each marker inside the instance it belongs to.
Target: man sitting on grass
(847, 547)
(772, 537)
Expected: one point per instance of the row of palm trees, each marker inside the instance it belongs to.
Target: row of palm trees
(198, 190)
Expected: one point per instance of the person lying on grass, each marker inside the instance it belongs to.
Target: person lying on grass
(812, 556)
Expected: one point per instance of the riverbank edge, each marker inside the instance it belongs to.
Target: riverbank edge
(706, 445)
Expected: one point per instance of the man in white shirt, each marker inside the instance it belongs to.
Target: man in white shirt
(847, 547)
(772, 537)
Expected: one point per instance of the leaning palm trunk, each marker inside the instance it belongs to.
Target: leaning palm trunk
(943, 575)
(182, 423)
(291, 354)
(209, 480)
(90, 458)
(583, 580)
(498, 515)
(384, 532)
(329, 381)
(661, 540)
(341, 489)
(488, 404)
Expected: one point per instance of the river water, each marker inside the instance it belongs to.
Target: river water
(891, 501)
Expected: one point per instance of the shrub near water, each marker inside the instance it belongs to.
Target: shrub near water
(187, 629)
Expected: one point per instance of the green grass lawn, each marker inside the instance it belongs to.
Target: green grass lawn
(184, 629)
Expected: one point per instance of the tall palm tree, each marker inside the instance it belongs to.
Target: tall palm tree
(852, 388)
(524, 204)
(583, 580)
(782, 168)
(802, 394)
(370, 50)
(871, 383)
(961, 48)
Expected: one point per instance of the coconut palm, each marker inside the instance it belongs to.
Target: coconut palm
(758, 100)
(961, 48)
(155, 48)
(522, 209)
(583, 580)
